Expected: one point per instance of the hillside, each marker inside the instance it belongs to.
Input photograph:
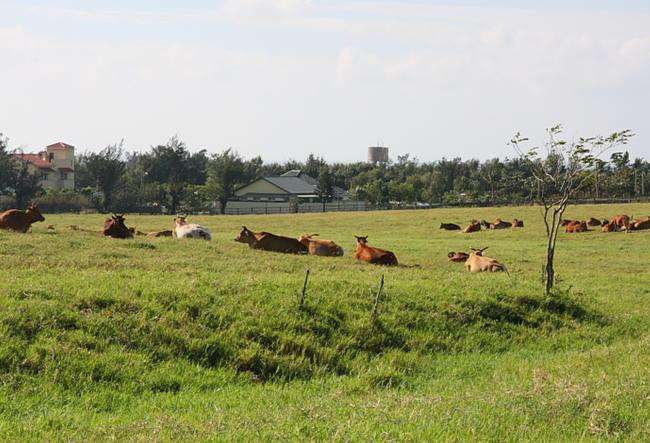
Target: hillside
(161, 338)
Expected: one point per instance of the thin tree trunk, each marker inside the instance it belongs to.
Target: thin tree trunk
(550, 271)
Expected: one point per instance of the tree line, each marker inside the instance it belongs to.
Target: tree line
(171, 177)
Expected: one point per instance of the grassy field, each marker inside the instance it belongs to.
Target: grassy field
(157, 339)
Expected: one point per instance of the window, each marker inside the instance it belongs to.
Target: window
(64, 175)
(44, 176)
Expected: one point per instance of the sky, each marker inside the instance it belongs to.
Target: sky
(286, 78)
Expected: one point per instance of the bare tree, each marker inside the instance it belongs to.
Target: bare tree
(561, 173)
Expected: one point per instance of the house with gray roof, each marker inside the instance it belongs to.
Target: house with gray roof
(292, 185)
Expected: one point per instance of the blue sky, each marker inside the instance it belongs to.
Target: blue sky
(285, 78)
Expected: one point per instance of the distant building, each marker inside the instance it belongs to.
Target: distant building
(291, 185)
(55, 165)
(377, 154)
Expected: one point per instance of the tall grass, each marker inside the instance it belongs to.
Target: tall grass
(163, 338)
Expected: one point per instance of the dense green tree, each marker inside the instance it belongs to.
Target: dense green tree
(325, 185)
(226, 171)
(6, 164)
(24, 181)
(104, 171)
(171, 166)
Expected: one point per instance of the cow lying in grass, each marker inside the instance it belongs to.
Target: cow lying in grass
(576, 226)
(450, 227)
(183, 229)
(473, 226)
(497, 224)
(621, 220)
(21, 221)
(315, 246)
(517, 223)
(270, 242)
(458, 257)
(370, 254)
(593, 222)
(479, 263)
(115, 227)
(641, 224)
(610, 226)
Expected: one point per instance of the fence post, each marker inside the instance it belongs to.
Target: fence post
(304, 289)
(377, 297)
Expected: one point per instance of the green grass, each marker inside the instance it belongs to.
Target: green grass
(168, 339)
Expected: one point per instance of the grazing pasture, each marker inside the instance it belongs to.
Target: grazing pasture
(161, 338)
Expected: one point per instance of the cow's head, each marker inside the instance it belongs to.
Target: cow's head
(180, 220)
(116, 227)
(304, 238)
(35, 213)
(478, 251)
(245, 236)
(361, 240)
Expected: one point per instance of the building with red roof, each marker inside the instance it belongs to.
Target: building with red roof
(55, 164)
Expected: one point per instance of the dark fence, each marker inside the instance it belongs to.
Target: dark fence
(245, 208)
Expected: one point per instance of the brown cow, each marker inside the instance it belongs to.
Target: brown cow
(641, 224)
(566, 222)
(621, 220)
(326, 248)
(114, 227)
(450, 227)
(610, 226)
(270, 242)
(500, 224)
(516, 223)
(473, 226)
(593, 222)
(458, 257)
(21, 221)
(373, 255)
(577, 226)
(463, 256)
(478, 263)
(497, 224)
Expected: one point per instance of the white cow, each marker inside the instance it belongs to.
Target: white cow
(183, 229)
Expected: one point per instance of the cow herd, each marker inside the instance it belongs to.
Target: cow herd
(617, 223)
(475, 225)
(475, 260)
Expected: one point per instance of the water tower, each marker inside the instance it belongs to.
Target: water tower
(377, 154)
